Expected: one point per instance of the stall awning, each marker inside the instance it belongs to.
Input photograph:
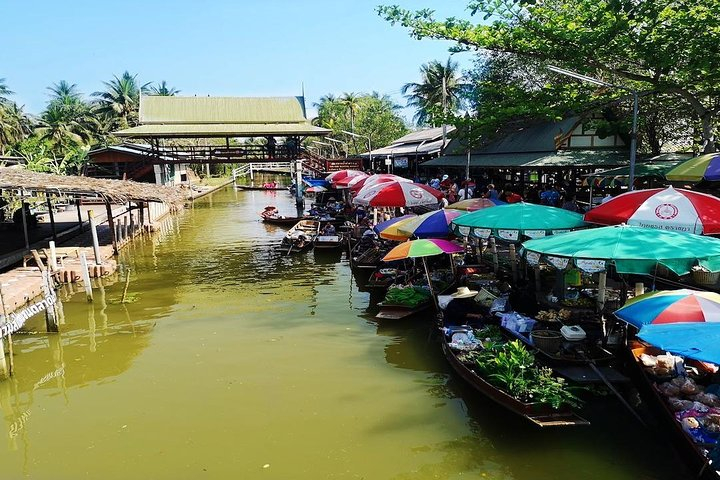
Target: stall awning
(222, 130)
(530, 160)
(647, 169)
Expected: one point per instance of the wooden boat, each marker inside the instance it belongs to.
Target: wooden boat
(690, 451)
(336, 241)
(280, 220)
(367, 258)
(253, 187)
(539, 414)
(300, 237)
(571, 353)
(395, 311)
(382, 277)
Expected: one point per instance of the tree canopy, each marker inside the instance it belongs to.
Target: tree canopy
(661, 46)
(440, 90)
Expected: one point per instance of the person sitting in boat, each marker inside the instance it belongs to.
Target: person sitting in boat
(329, 230)
(270, 212)
(301, 241)
(331, 204)
(463, 309)
(272, 184)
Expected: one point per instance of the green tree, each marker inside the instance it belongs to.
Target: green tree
(64, 93)
(4, 91)
(66, 127)
(120, 101)
(15, 125)
(375, 116)
(440, 86)
(659, 46)
(162, 89)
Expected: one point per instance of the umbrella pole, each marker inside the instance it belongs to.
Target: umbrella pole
(427, 273)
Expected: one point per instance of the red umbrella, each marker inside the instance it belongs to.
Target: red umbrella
(666, 209)
(398, 194)
(355, 186)
(341, 174)
(347, 181)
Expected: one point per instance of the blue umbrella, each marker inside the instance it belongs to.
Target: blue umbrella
(700, 341)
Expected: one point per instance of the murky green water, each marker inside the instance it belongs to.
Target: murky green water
(234, 361)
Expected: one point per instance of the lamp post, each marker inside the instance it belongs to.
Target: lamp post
(633, 133)
(332, 147)
(345, 144)
(368, 141)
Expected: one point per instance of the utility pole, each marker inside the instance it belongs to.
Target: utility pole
(444, 107)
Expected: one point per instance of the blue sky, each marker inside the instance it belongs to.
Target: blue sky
(215, 47)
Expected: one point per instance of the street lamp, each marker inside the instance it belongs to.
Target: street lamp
(345, 144)
(633, 133)
(332, 147)
(369, 145)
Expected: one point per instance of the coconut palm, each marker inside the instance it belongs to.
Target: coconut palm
(4, 91)
(120, 101)
(162, 89)
(15, 125)
(427, 96)
(65, 93)
(66, 128)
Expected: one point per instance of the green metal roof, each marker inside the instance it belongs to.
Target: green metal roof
(223, 130)
(157, 109)
(547, 159)
(647, 169)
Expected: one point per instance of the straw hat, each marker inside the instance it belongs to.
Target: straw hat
(464, 292)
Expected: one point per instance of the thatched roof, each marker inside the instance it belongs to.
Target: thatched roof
(114, 190)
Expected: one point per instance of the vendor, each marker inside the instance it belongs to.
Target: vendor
(329, 230)
(463, 309)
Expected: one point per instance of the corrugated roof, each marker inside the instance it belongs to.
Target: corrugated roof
(546, 159)
(426, 134)
(536, 138)
(418, 148)
(157, 109)
(223, 130)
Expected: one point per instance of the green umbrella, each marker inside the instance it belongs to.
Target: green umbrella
(630, 249)
(509, 222)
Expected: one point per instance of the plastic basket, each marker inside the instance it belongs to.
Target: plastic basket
(702, 277)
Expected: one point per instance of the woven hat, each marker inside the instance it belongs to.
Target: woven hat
(464, 292)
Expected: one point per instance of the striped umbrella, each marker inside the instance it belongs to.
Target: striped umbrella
(357, 185)
(425, 247)
(398, 194)
(388, 229)
(684, 322)
(662, 208)
(429, 225)
(704, 167)
(473, 204)
(341, 174)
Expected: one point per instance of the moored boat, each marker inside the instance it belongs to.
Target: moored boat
(255, 187)
(300, 238)
(461, 360)
(336, 241)
(675, 415)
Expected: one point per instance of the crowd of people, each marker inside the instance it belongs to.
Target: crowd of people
(555, 194)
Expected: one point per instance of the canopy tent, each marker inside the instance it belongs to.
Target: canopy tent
(512, 222)
(629, 249)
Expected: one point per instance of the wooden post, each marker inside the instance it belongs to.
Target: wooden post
(38, 260)
(24, 212)
(4, 370)
(111, 225)
(141, 216)
(602, 281)
(86, 276)
(52, 261)
(52, 217)
(118, 233)
(80, 220)
(96, 244)
(513, 264)
(430, 286)
(493, 250)
(132, 220)
(538, 281)
(51, 323)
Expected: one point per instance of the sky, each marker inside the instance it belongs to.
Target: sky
(216, 47)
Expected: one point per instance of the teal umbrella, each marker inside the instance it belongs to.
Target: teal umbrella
(630, 249)
(514, 221)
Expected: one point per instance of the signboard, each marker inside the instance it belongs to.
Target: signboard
(509, 234)
(589, 265)
(558, 262)
(400, 162)
(16, 320)
(533, 258)
(535, 233)
(388, 161)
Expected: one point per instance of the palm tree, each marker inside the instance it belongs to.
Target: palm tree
(65, 93)
(15, 125)
(65, 128)
(162, 89)
(120, 101)
(4, 91)
(351, 102)
(427, 96)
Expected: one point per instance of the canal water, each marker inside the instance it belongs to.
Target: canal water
(232, 360)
